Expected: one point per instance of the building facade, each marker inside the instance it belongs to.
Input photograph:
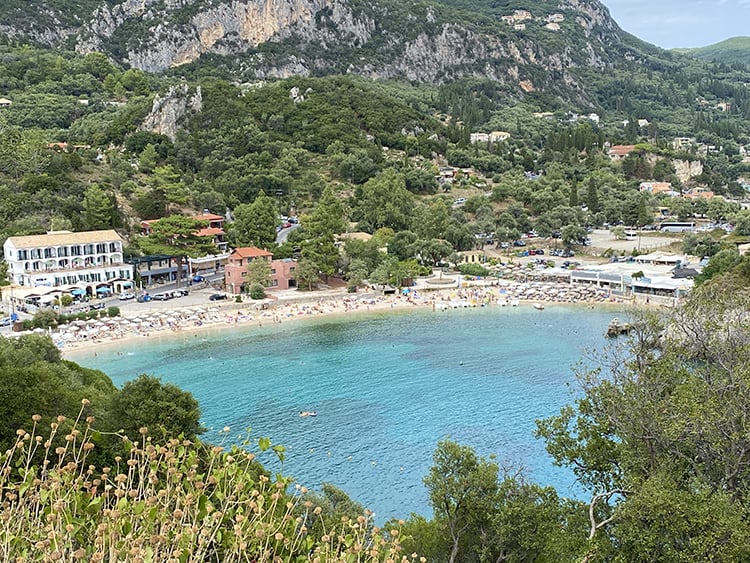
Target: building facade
(90, 261)
(235, 272)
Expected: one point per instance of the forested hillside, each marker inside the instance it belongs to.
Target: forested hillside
(142, 146)
(735, 50)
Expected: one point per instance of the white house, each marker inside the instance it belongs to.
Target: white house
(90, 262)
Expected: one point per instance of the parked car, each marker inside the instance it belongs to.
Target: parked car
(217, 296)
(198, 279)
(460, 201)
(161, 296)
(5, 321)
(96, 306)
(179, 292)
(519, 242)
(126, 295)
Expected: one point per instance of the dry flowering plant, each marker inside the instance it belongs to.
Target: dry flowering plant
(176, 501)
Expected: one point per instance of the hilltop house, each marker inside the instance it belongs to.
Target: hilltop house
(618, 152)
(697, 193)
(492, 137)
(657, 188)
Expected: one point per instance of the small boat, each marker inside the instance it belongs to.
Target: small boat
(538, 306)
(308, 413)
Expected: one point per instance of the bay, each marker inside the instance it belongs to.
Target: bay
(385, 388)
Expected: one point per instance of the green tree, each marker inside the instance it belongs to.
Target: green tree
(34, 380)
(328, 218)
(720, 263)
(148, 159)
(99, 208)
(255, 223)
(572, 235)
(163, 408)
(168, 179)
(259, 272)
(321, 227)
(384, 201)
(651, 436)
(592, 196)
(463, 491)
(700, 244)
(308, 273)
(357, 273)
(178, 236)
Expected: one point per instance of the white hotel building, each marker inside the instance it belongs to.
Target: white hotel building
(89, 261)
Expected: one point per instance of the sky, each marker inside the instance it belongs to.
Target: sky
(682, 23)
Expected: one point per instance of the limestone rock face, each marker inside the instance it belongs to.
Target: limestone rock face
(221, 28)
(378, 39)
(687, 169)
(170, 108)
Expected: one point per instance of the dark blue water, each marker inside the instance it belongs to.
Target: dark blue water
(385, 389)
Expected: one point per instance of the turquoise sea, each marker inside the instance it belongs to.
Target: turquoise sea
(386, 387)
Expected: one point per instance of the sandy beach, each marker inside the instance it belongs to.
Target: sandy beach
(81, 336)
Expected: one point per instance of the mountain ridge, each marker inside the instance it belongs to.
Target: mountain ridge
(423, 42)
(731, 50)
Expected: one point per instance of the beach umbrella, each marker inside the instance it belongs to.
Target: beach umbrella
(73, 328)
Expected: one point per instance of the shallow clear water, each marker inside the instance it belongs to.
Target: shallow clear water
(385, 387)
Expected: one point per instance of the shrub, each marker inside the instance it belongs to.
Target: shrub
(45, 318)
(257, 291)
(473, 270)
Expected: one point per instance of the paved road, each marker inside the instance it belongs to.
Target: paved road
(283, 234)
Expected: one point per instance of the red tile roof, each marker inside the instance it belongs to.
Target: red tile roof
(209, 232)
(208, 217)
(249, 252)
(621, 150)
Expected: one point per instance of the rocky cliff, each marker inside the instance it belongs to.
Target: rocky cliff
(419, 41)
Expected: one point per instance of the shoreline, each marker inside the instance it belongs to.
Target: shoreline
(78, 339)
